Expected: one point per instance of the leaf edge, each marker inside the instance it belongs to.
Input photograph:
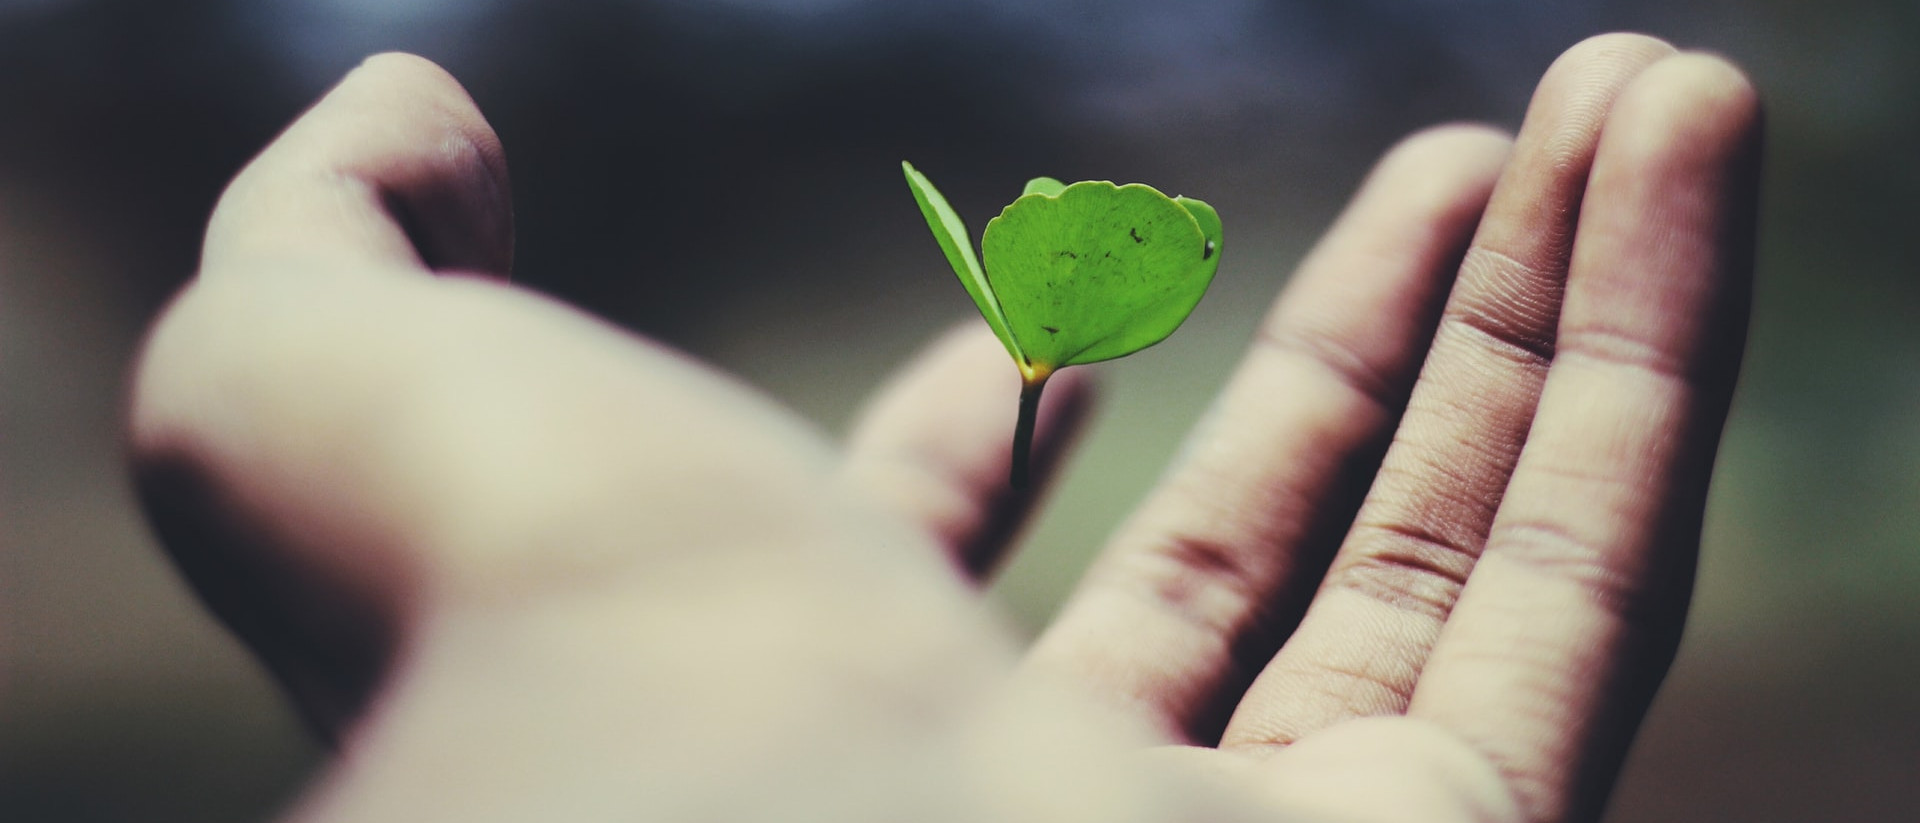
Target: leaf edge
(942, 220)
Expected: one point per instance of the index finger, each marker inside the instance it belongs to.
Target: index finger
(395, 165)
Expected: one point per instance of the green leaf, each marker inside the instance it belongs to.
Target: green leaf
(951, 232)
(1044, 185)
(1209, 222)
(1097, 271)
(1077, 274)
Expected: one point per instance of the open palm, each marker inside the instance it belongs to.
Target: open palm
(1428, 558)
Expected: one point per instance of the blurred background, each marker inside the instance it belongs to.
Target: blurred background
(724, 174)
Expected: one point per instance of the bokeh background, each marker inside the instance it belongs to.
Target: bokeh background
(723, 174)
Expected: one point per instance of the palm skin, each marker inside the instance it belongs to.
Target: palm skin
(1428, 559)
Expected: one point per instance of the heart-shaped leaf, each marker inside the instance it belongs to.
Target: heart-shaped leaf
(1078, 274)
(1098, 271)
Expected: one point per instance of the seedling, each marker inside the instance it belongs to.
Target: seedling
(1077, 274)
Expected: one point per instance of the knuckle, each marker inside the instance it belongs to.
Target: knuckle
(1508, 302)
(1611, 346)
(1200, 579)
(1553, 550)
(1411, 569)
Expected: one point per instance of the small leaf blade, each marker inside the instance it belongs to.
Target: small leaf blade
(1098, 271)
(1044, 185)
(1209, 222)
(951, 233)
(1181, 302)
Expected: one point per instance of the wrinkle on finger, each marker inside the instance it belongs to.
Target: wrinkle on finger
(1424, 523)
(1202, 583)
(1566, 630)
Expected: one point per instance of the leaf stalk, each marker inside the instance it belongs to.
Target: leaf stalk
(1020, 476)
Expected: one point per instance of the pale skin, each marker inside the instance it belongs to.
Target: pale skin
(520, 565)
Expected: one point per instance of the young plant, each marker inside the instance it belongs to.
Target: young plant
(1077, 274)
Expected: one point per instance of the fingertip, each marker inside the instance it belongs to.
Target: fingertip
(421, 83)
(1691, 123)
(1609, 48)
(1693, 98)
(395, 164)
(1439, 168)
(397, 74)
(1483, 142)
(1576, 93)
(1672, 209)
(400, 63)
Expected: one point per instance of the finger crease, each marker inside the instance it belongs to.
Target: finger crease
(1553, 551)
(1522, 348)
(1509, 302)
(1200, 580)
(1616, 348)
(1411, 569)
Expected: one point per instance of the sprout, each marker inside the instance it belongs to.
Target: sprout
(1077, 274)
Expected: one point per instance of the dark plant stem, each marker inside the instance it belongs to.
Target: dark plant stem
(1022, 474)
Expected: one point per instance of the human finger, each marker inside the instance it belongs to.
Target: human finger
(1574, 612)
(333, 461)
(392, 171)
(1360, 648)
(395, 165)
(933, 445)
(1204, 580)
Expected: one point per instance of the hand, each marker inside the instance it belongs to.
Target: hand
(524, 566)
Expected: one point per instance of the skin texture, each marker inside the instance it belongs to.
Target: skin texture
(1427, 560)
